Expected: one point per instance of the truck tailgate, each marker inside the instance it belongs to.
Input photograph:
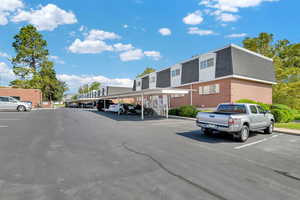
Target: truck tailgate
(213, 118)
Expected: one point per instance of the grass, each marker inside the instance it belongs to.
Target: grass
(291, 125)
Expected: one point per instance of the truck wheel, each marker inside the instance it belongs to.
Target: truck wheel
(207, 131)
(270, 129)
(21, 108)
(243, 135)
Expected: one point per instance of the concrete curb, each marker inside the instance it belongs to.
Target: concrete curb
(179, 117)
(279, 130)
(287, 131)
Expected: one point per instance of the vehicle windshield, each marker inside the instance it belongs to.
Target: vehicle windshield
(231, 109)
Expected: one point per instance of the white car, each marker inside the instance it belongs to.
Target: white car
(9, 103)
(119, 108)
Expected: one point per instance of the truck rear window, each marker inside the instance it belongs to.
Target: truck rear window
(231, 109)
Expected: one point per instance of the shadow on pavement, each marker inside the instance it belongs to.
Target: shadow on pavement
(116, 117)
(214, 138)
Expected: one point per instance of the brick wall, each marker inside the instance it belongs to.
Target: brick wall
(207, 100)
(231, 90)
(33, 95)
(244, 89)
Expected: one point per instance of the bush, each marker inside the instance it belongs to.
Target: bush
(174, 111)
(283, 113)
(263, 105)
(188, 111)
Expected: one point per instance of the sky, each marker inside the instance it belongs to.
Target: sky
(113, 41)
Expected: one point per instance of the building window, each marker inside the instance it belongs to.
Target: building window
(207, 63)
(175, 72)
(209, 89)
(139, 83)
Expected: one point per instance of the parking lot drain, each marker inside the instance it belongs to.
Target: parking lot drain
(174, 174)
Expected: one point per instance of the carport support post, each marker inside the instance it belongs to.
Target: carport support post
(142, 114)
(104, 104)
(167, 108)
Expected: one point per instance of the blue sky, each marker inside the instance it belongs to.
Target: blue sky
(112, 41)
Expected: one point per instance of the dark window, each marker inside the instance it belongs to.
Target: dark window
(15, 97)
(261, 110)
(4, 99)
(231, 109)
(253, 109)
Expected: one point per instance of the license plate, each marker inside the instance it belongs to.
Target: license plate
(211, 126)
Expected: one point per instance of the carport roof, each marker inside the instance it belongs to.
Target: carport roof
(147, 92)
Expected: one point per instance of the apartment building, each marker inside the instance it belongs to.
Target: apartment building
(223, 75)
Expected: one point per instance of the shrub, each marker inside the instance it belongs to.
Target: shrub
(263, 105)
(282, 113)
(188, 111)
(174, 111)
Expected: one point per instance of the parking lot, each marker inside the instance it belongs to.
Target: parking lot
(85, 154)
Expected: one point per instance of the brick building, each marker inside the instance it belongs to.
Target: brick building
(33, 95)
(224, 75)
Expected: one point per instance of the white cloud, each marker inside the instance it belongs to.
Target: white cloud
(197, 31)
(232, 6)
(153, 54)
(236, 35)
(165, 31)
(95, 34)
(125, 26)
(131, 55)
(57, 59)
(7, 7)
(193, 18)
(82, 28)
(6, 73)
(122, 47)
(3, 54)
(89, 46)
(75, 81)
(47, 17)
(228, 17)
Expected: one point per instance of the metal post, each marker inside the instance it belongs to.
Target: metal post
(104, 105)
(167, 108)
(142, 106)
(191, 94)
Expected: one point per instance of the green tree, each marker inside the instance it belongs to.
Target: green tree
(32, 66)
(286, 58)
(94, 86)
(31, 51)
(148, 70)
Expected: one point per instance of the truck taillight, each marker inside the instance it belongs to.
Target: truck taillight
(231, 121)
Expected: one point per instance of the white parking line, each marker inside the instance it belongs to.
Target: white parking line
(8, 119)
(256, 142)
(3, 126)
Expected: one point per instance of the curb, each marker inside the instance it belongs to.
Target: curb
(287, 131)
(185, 118)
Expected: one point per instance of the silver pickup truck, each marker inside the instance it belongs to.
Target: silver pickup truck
(236, 119)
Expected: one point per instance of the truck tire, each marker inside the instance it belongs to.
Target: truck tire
(269, 130)
(243, 135)
(207, 131)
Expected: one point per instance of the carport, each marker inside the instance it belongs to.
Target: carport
(148, 92)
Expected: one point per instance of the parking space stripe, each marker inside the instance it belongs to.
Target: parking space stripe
(3, 126)
(8, 119)
(256, 142)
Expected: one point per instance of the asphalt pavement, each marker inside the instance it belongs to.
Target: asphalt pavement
(73, 154)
